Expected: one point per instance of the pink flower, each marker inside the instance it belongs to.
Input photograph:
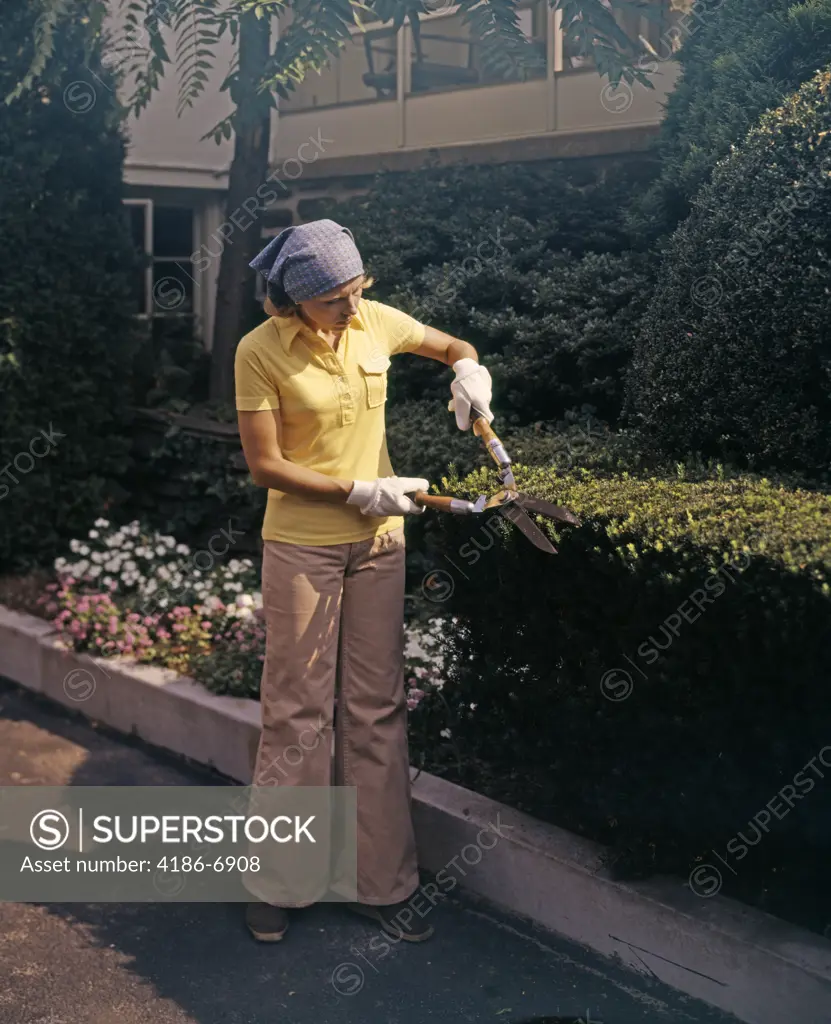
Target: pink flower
(113, 624)
(205, 624)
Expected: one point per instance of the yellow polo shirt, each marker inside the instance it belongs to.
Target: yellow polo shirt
(331, 407)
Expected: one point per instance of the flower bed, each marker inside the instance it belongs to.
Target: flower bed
(133, 592)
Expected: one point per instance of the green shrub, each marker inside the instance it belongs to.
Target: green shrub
(66, 263)
(574, 345)
(739, 58)
(187, 485)
(526, 262)
(733, 355)
(712, 596)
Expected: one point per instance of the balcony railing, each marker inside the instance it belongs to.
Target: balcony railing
(392, 90)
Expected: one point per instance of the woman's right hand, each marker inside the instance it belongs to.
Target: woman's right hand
(387, 496)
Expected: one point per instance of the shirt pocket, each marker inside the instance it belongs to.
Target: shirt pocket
(373, 372)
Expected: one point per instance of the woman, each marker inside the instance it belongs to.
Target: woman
(311, 383)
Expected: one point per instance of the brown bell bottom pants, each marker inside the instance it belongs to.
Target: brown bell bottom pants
(334, 623)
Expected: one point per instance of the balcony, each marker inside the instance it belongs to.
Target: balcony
(396, 93)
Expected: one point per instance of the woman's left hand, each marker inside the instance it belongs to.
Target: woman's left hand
(472, 387)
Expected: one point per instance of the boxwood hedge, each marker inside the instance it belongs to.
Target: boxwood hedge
(733, 357)
(655, 683)
(739, 58)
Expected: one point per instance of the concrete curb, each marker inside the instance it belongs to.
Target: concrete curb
(742, 961)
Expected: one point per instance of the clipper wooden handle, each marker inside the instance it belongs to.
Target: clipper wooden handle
(482, 429)
(444, 503)
(439, 501)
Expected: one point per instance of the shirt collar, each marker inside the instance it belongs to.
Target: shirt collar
(289, 327)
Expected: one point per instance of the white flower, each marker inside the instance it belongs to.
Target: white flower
(95, 571)
(151, 587)
(97, 557)
(130, 565)
(446, 733)
(60, 563)
(196, 574)
(413, 649)
(246, 601)
(75, 546)
(228, 586)
(107, 581)
(112, 565)
(102, 524)
(169, 541)
(161, 550)
(92, 534)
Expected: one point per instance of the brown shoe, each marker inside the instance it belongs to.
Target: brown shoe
(398, 920)
(266, 923)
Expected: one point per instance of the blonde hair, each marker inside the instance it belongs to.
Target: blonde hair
(281, 305)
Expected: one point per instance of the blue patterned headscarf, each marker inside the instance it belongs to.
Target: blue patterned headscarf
(310, 259)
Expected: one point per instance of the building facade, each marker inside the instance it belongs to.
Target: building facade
(393, 100)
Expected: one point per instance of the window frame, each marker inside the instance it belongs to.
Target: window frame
(149, 311)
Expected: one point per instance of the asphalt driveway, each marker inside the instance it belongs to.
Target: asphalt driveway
(194, 963)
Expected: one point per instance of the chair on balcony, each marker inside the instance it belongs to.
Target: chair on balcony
(424, 74)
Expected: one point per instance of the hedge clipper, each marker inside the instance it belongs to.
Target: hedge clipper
(512, 504)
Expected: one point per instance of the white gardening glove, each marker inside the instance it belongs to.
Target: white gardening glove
(472, 386)
(387, 496)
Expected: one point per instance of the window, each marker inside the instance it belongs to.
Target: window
(164, 234)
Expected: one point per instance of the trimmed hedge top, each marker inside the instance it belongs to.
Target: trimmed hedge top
(727, 517)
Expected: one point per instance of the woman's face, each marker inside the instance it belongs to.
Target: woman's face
(333, 310)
